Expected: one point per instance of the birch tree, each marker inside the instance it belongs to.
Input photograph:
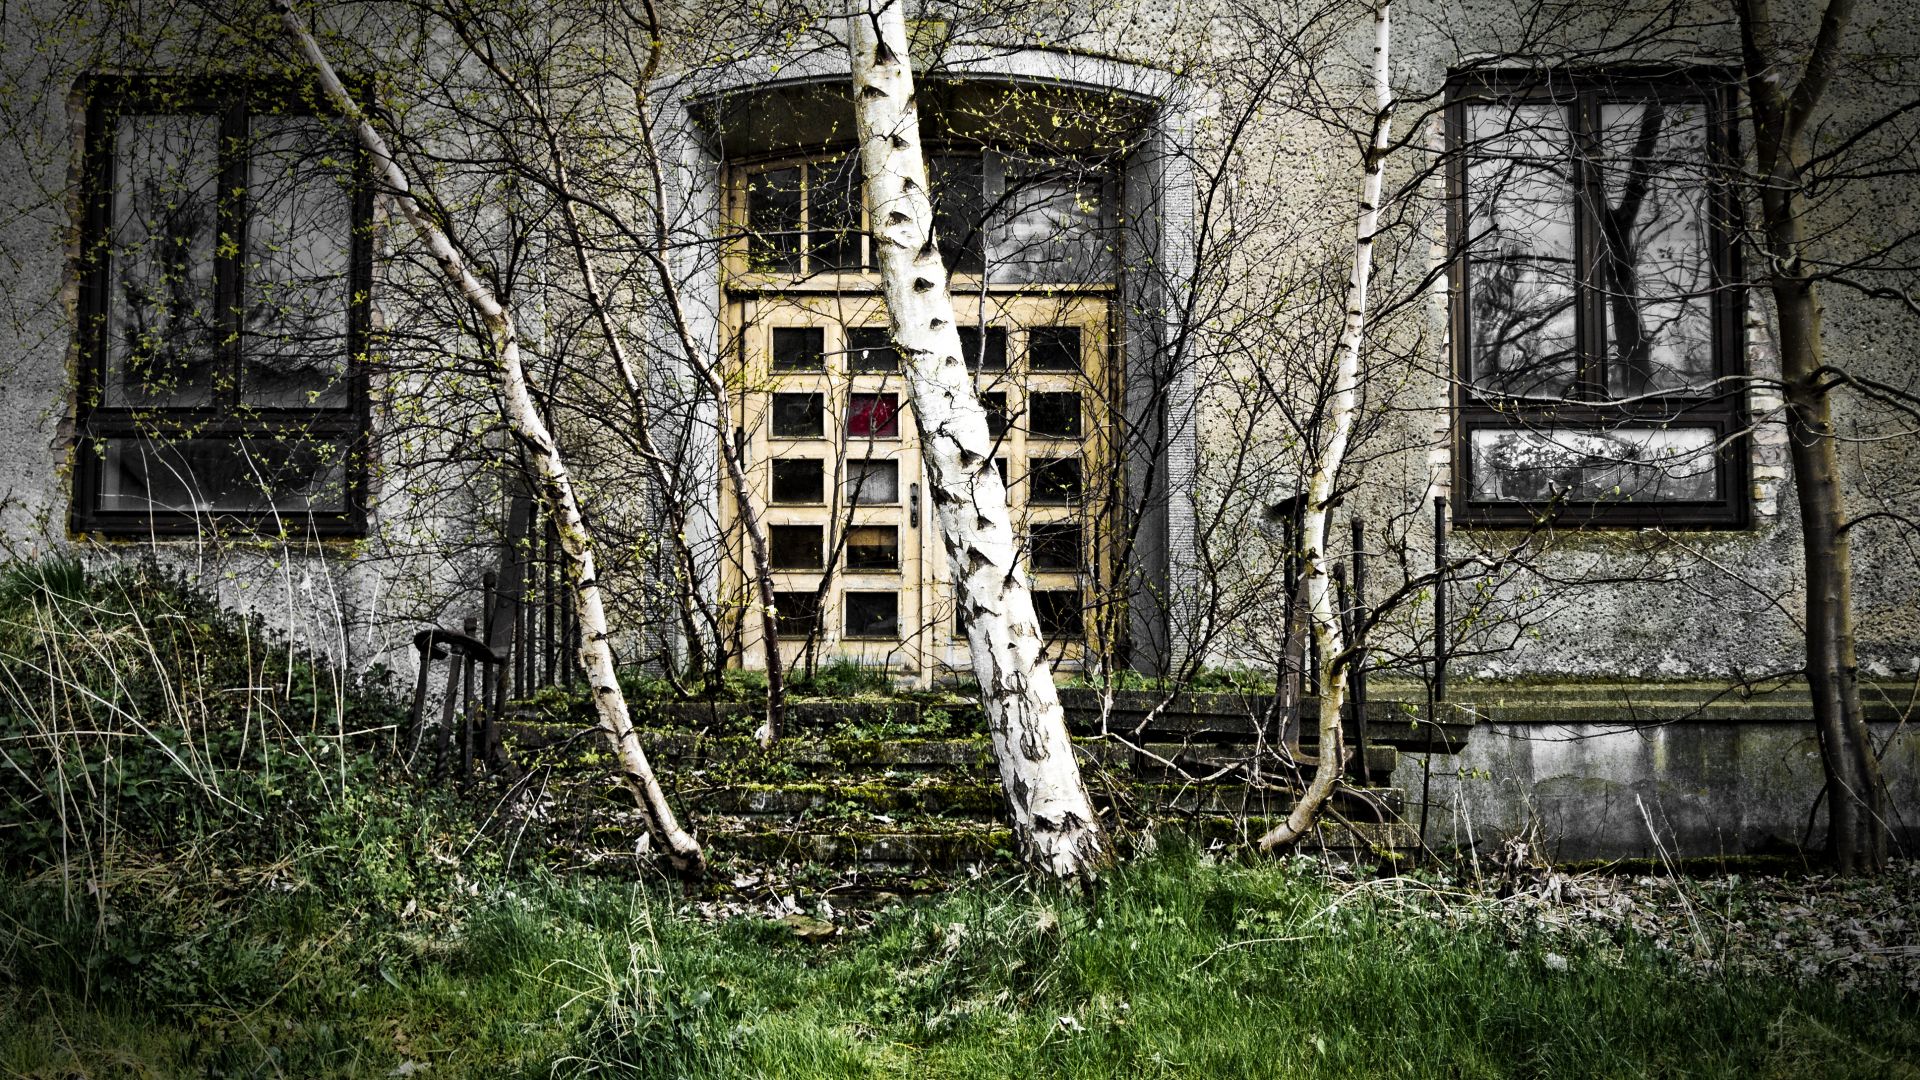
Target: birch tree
(1053, 817)
(542, 449)
(1322, 480)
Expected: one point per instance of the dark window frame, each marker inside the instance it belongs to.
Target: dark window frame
(233, 102)
(1723, 412)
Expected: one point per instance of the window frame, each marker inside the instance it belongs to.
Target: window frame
(1581, 94)
(233, 102)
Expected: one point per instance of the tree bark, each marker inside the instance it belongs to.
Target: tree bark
(1334, 655)
(556, 483)
(1856, 792)
(1053, 818)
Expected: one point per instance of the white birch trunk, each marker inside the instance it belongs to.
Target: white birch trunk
(1052, 816)
(610, 704)
(1326, 467)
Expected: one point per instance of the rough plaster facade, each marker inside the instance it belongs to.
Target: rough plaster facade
(1707, 604)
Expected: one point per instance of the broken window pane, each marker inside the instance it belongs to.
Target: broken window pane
(773, 221)
(299, 234)
(1054, 545)
(796, 547)
(1053, 481)
(873, 416)
(984, 354)
(1051, 227)
(833, 214)
(1520, 249)
(799, 348)
(1053, 348)
(163, 324)
(870, 349)
(1571, 465)
(799, 480)
(873, 615)
(873, 547)
(799, 416)
(1059, 612)
(873, 482)
(284, 473)
(1054, 415)
(797, 614)
(1655, 263)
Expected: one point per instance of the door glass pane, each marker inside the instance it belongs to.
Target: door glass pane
(1520, 249)
(959, 211)
(1054, 546)
(287, 474)
(987, 353)
(799, 348)
(799, 480)
(873, 547)
(873, 615)
(299, 232)
(833, 214)
(1053, 348)
(873, 482)
(1054, 416)
(773, 221)
(797, 613)
(1655, 265)
(1051, 227)
(798, 416)
(870, 348)
(873, 416)
(163, 324)
(1053, 481)
(1639, 465)
(796, 547)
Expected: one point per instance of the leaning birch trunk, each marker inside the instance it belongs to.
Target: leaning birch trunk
(556, 483)
(1326, 468)
(1052, 815)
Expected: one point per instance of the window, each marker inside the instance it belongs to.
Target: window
(1596, 321)
(799, 416)
(799, 480)
(873, 482)
(223, 312)
(873, 615)
(797, 614)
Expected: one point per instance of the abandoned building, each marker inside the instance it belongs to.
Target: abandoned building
(225, 352)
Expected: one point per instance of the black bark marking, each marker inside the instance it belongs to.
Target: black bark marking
(921, 285)
(937, 323)
(872, 91)
(897, 218)
(900, 142)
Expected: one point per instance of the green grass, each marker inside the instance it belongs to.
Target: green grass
(204, 871)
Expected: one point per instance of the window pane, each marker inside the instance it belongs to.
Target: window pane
(1655, 268)
(1054, 546)
(1641, 465)
(1059, 612)
(1053, 348)
(1051, 228)
(873, 482)
(833, 214)
(1520, 249)
(299, 251)
(799, 480)
(797, 613)
(959, 210)
(773, 221)
(873, 416)
(163, 324)
(799, 348)
(995, 402)
(798, 416)
(1053, 481)
(873, 547)
(992, 356)
(1054, 416)
(870, 348)
(288, 474)
(796, 547)
(873, 615)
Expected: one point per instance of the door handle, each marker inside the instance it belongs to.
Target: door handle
(913, 506)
